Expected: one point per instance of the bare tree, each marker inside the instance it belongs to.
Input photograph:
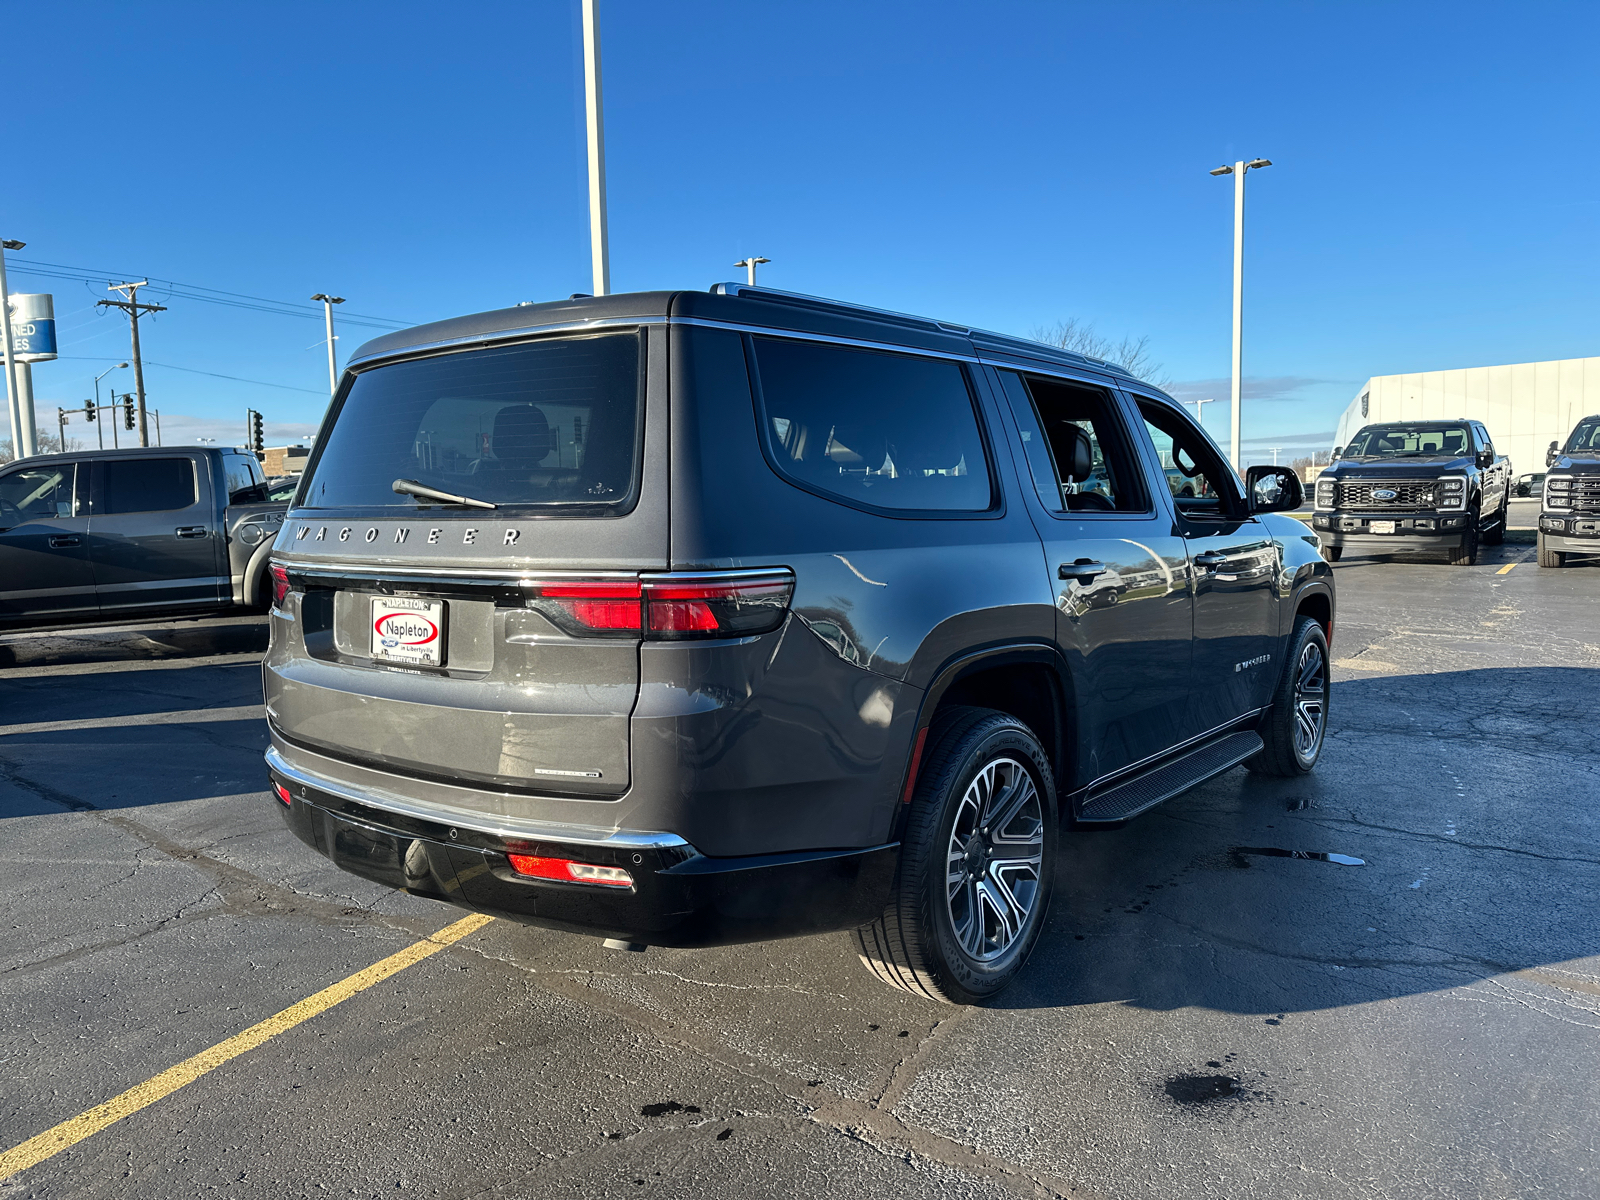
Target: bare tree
(1131, 354)
(49, 443)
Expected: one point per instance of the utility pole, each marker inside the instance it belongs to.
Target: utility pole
(22, 435)
(750, 264)
(1237, 170)
(133, 308)
(327, 311)
(599, 245)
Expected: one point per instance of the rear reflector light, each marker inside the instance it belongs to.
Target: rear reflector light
(565, 870)
(667, 608)
(280, 583)
(283, 792)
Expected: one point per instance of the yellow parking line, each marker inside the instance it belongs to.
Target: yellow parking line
(1505, 570)
(69, 1133)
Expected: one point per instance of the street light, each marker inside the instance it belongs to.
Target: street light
(750, 264)
(1200, 409)
(327, 311)
(22, 436)
(97, 380)
(1237, 170)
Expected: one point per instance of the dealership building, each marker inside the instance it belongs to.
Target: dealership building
(1525, 406)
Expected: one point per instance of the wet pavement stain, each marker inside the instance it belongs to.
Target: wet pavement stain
(667, 1108)
(724, 1135)
(1201, 1089)
(1239, 856)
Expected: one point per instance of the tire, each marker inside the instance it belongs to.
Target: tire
(1297, 723)
(954, 943)
(1497, 535)
(1550, 558)
(1333, 553)
(1466, 554)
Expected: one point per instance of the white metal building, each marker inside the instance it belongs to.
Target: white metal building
(1525, 406)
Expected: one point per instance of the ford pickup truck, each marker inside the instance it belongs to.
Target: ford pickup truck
(1415, 485)
(116, 534)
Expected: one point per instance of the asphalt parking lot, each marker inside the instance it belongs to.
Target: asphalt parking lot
(1217, 1008)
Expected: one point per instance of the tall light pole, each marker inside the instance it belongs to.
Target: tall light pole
(750, 264)
(99, 429)
(1237, 170)
(22, 441)
(599, 245)
(1200, 409)
(327, 311)
(1275, 450)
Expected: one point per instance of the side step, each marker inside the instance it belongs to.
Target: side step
(1128, 800)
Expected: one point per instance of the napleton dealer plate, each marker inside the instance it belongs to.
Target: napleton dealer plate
(408, 631)
(1382, 527)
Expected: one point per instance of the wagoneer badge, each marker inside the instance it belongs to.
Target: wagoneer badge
(1385, 494)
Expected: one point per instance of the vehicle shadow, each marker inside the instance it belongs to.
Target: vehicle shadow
(145, 642)
(1472, 830)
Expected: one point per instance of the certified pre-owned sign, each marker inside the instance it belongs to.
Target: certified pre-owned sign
(408, 631)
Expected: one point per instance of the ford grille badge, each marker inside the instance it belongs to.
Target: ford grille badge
(1385, 494)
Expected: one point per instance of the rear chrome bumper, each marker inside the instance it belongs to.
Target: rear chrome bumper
(679, 897)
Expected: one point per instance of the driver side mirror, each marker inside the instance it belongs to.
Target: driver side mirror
(1273, 489)
(1552, 454)
(1486, 458)
(1338, 452)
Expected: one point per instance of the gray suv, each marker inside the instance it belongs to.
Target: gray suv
(688, 618)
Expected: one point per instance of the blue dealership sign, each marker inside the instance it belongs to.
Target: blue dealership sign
(33, 327)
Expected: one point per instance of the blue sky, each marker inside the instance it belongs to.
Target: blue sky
(1432, 203)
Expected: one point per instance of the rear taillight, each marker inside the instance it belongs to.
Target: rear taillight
(668, 608)
(565, 870)
(280, 583)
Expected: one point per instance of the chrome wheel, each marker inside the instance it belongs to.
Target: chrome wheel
(994, 859)
(1310, 701)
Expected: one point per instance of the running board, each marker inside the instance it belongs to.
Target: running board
(1128, 800)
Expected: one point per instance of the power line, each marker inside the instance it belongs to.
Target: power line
(288, 387)
(172, 289)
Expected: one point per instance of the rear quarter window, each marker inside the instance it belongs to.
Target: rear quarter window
(887, 431)
(552, 423)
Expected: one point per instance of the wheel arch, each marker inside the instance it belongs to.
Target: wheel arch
(1315, 600)
(1029, 681)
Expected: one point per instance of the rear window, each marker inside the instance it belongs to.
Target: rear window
(547, 423)
(148, 485)
(884, 430)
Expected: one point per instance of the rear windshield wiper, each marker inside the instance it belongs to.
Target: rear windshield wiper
(410, 487)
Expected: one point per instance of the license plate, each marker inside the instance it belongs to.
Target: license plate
(408, 631)
(1382, 527)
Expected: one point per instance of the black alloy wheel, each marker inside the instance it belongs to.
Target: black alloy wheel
(1466, 554)
(976, 863)
(1294, 728)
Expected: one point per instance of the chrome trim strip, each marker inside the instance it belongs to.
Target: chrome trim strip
(551, 831)
(523, 576)
(507, 335)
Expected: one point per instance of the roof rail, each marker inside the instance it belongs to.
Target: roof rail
(802, 300)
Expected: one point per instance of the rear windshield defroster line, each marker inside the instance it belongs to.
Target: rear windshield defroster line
(549, 424)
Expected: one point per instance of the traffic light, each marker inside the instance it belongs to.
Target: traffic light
(258, 441)
(127, 411)
(89, 413)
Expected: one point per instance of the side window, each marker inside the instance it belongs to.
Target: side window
(1195, 472)
(38, 493)
(148, 484)
(236, 474)
(1484, 440)
(885, 430)
(1074, 444)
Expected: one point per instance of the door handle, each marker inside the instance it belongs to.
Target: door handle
(1210, 559)
(60, 540)
(190, 531)
(1083, 570)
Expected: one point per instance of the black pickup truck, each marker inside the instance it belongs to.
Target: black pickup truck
(114, 534)
(1415, 485)
(1570, 522)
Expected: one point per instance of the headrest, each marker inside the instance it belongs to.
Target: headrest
(521, 437)
(1079, 452)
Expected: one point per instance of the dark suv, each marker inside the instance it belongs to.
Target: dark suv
(1570, 522)
(688, 618)
(1415, 485)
